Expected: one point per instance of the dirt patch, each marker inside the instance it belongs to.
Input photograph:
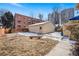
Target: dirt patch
(18, 45)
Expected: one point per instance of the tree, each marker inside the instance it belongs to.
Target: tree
(40, 16)
(75, 36)
(75, 33)
(49, 17)
(7, 20)
(55, 15)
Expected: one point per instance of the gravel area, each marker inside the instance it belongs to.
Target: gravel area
(18, 45)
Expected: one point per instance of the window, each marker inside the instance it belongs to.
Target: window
(19, 21)
(24, 18)
(29, 22)
(24, 22)
(40, 28)
(19, 25)
(24, 26)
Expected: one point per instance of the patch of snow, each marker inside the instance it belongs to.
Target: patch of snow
(54, 36)
(28, 34)
(70, 41)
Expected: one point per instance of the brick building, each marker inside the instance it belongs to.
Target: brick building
(21, 22)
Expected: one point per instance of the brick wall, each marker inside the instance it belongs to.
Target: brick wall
(22, 22)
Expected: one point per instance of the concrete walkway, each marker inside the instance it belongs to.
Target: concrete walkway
(61, 49)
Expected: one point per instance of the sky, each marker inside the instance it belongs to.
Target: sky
(33, 9)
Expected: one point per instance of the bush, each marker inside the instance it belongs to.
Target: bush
(74, 32)
(75, 36)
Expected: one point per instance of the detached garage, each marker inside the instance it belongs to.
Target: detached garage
(43, 27)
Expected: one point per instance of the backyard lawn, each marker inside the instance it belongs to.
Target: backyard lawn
(19, 45)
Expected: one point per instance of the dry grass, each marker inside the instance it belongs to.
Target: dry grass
(18, 45)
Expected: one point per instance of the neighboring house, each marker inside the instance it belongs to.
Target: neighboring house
(21, 22)
(43, 27)
(73, 21)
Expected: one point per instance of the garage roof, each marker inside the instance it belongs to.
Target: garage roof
(39, 23)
